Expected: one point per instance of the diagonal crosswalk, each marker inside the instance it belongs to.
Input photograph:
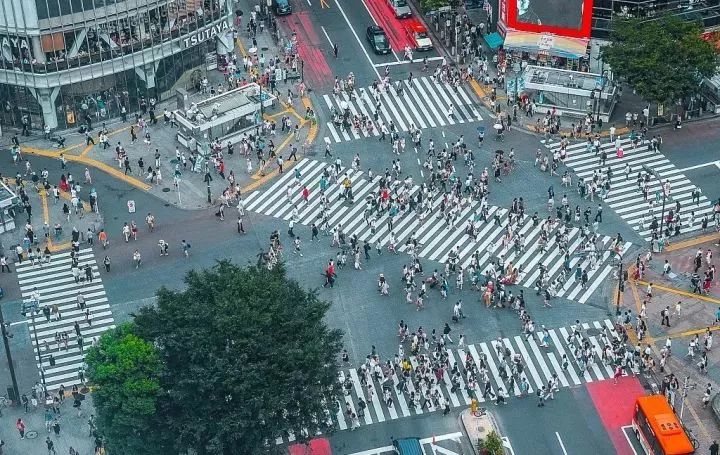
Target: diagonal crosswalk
(385, 399)
(438, 240)
(424, 103)
(625, 198)
(57, 287)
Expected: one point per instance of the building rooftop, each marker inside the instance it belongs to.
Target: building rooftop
(562, 78)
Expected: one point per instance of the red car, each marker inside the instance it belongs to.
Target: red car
(418, 35)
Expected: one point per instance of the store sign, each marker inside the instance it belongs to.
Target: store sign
(546, 41)
(206, 34)
(16, 43)
(504, 11)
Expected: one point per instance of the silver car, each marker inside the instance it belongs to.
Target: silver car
(400, 8)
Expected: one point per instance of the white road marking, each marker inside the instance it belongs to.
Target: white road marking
(360, 43)
(698, 166)
(327, 36)
(562, 446)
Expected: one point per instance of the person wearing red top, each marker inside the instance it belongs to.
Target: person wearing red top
(20, 425)
(305, 194)
(330, 274)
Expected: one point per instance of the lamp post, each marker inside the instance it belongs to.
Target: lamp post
(664, 195)
(11, 367)
(37, 344)
(208, 179)
(620, 288)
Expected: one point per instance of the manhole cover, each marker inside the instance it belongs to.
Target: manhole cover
(166, 190)
(593, 332)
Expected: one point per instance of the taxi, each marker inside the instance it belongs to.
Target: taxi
(418, 35)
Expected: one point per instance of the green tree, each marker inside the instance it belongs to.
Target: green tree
(432, 5)
(125, 371)
(493, 444)
(664, 60)
(247, 355)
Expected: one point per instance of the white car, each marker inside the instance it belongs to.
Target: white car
(400, 8)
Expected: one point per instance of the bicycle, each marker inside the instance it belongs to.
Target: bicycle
(4, 403)
(693, 439)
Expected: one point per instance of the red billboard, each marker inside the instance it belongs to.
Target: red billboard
(571, 18)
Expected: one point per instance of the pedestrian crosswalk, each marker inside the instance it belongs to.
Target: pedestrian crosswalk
(56, 287)
(625, 198)
(384, 399)
(438, 240)
(424, 103)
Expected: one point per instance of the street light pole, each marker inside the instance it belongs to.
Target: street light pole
(11, 367)
(620, 288)
(662, 212)
(37, 345)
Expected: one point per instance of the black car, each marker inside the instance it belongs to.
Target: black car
(282, 7)
(378, 39)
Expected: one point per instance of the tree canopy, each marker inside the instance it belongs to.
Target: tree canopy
(664, 60)
(245, 355)
(125, 371)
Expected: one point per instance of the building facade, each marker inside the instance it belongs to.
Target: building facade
(64, 60)
(604, 11)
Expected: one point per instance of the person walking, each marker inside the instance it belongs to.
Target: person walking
(20, 425)
(665, 316)
(714, 448)
(335, 50)
(50, 446)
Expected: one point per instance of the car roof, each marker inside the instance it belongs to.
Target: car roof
(415, 26)
(375, 29)
(408, 446)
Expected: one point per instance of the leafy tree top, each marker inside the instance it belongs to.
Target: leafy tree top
(247, 354)
(664, 60)
(125, 371)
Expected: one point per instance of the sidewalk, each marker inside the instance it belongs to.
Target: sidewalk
(192, 192)
(697, 316)
(74, 429)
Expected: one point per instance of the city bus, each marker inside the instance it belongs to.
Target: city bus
(658, 429)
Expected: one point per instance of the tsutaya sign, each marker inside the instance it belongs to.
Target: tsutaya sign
(206, 34)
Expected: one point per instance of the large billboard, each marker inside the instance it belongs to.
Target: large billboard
(571, 18)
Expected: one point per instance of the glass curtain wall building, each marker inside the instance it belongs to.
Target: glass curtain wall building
(64, 60)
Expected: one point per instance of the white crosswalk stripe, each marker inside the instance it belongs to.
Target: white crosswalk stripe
(424, 103)
(540, 365)
(57, 287)
(436, 237)
(625, 198)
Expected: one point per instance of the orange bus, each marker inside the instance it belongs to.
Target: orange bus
(659, 430)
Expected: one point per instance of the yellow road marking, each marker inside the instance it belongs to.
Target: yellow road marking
(241, 46)
(93, 163)
(324, 4)
(46, 216)
(681, 292)
(692, 242)
(87, 149)
(258, 175)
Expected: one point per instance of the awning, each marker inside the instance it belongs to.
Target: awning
(559, 46)
(494, 40)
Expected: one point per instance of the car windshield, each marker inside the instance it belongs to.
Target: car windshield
(380, 40)
(399, 3)
(421, 35)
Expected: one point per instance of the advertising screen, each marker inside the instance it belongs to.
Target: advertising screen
(570, 18)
